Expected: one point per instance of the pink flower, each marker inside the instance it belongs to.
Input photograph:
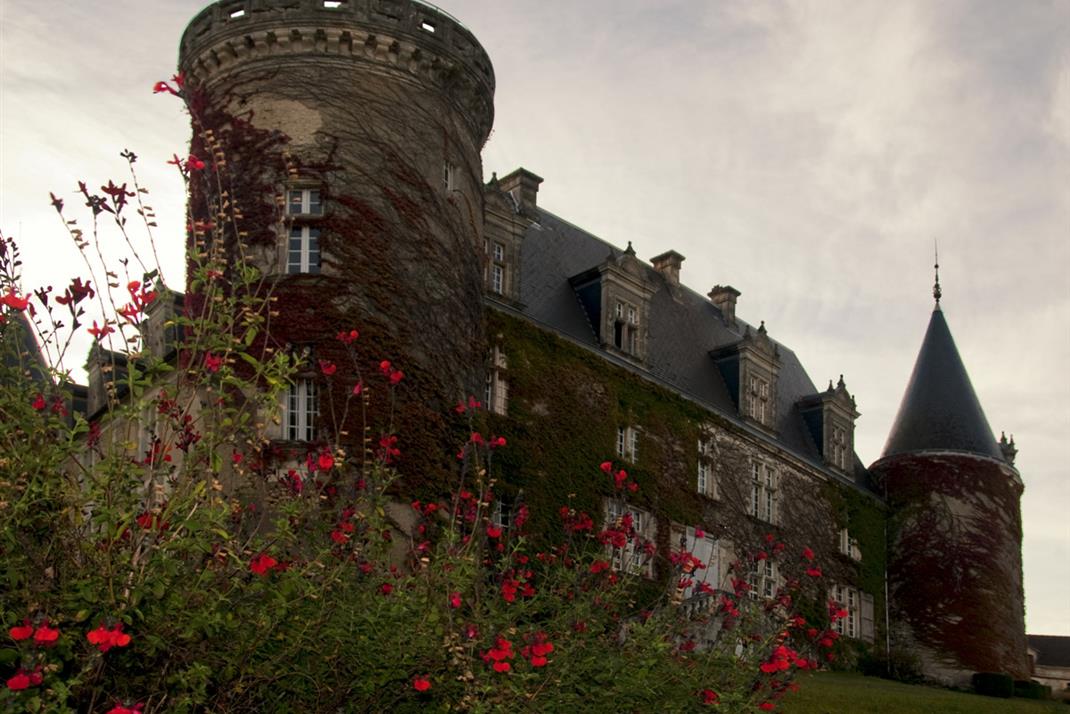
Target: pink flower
(358, 388)
(455, 600)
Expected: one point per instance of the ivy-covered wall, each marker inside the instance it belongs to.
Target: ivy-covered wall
(956, 569)
(565, 405)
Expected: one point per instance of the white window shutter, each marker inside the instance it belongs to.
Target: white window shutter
(868, 632)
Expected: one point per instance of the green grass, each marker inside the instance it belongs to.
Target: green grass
(836, 693)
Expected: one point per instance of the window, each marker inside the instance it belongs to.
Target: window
(301, 411)
(304, 250)
(847, 599)
(501, 516)
(838, 448)
(304, 202)
(763, 502)
(705, 483)
(849, 546)
(705, 549)
(636, 556)
(763, 579)
(495, 273)
(628, 443)
(496, 392)
(449, 177)
(758, 400)
(626, 328)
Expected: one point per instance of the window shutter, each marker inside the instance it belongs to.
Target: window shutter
(868, 633)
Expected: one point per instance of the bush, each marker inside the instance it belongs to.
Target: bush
(901, 667)
(1028, 689)
(994, 684)
(169, 556)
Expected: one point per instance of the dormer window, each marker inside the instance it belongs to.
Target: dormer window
(626, 328)
(304, 202)
(758, 400)
(839, 448)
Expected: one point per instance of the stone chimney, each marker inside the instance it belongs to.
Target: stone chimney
(524, 187)
(668, 264)
(723, 298)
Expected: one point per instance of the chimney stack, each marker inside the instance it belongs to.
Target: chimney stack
(524, 187)
(668, 264)
(723, 298)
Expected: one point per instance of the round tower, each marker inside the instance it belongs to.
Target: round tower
(955, 537)
(350, 133)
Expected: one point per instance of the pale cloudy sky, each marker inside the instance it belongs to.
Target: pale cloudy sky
(806, 152)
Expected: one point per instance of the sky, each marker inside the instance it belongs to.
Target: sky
(807, 152)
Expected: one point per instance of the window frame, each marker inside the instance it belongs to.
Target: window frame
(308, 247)
(301, 411)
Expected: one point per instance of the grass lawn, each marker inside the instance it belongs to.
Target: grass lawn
(836, 693)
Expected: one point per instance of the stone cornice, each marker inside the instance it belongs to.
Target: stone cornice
(401, 36)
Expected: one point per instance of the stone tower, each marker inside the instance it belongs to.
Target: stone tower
(955, 540)
(351, 132)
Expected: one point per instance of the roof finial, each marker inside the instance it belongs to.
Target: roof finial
(936, 268)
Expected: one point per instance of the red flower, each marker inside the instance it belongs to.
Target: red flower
(421, 683)
(494, 532)
(358, 388)
(814, 572)
(699, 533)
(339, 537)
(194, 164)
(502, 667)
(39, 403)
(762, 555)
(386, 588)
(262, 564)
(328, 368)
(326, 461)
(808, 554)
(598, 566)
(606, 466)
(104, 639)
(212, 363)
(384, 367)
(21, 632)
(496, 442)
(396, 375)
(19, 682)
(633, 487)
(455, 600)
(709, 696)
(45, 636)
(767, 706)
(101, 332)
(163, 87)
(14, 301)
(348, 338)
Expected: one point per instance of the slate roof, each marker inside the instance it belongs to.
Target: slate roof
(684, 327)
(940, 410)
(1052, 650)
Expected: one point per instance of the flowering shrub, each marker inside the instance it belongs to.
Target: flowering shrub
(165, 554)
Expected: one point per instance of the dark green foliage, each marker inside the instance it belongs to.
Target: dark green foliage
(994, 684)
(1028, 689)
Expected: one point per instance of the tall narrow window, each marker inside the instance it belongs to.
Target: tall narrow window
(704, 549)
(301, 411)
(495, 275)
(764, 482)
(303, 255)
(496, 392)
(705, 483)
(626, 328)
(763, 579)
(628, 443)
(636, 555)
(449, 176)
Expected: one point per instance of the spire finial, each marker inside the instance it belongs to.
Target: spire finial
(936, 267)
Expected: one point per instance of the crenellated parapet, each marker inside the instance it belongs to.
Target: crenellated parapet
(405, 37)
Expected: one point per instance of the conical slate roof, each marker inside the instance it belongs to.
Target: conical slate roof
(940, 410)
